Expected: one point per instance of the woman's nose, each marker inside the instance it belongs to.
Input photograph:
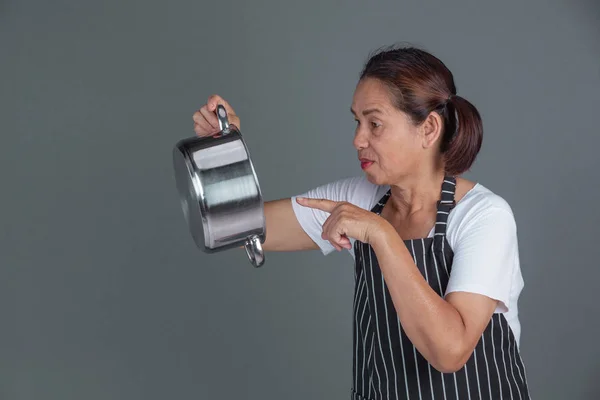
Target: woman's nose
(360, 140)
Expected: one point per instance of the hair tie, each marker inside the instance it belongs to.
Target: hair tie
(448, 100)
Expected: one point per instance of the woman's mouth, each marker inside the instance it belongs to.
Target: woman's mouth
(364, 163)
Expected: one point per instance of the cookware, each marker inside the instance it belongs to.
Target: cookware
(219, 191)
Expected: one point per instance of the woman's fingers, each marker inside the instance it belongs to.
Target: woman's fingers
(211, 119)
(334, 233)
(205, 119)
(201, 126)
(214, 101)
(345, 242)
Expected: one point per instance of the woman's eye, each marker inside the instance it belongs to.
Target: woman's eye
(375, 124)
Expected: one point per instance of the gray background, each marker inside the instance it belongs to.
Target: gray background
(102, 292)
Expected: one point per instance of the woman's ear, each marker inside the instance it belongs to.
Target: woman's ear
(431, 129)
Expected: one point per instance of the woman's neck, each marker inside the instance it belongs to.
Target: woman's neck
(416, 192)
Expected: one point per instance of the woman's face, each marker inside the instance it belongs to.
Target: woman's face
(389, 145)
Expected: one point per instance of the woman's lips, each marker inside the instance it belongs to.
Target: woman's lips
(364, 163)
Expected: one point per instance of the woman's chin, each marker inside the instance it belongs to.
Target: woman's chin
(373, 178)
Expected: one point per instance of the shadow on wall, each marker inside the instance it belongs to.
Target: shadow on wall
(5, 10)
(593, 6)
(594, 383)
(588, 8)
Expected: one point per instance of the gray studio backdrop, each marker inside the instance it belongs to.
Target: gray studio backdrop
(102, 292)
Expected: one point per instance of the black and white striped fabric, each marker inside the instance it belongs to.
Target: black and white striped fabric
(387, 365)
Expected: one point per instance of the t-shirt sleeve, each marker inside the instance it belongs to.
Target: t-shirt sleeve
(486, 255)
(355, 190)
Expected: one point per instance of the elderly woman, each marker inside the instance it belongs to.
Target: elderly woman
(437, 275)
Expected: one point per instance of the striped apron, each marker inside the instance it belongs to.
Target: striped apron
(386, 365)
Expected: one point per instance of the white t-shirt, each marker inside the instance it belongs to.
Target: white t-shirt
(481, 231)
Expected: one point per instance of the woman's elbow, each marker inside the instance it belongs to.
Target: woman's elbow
(451, 361)
(448, 367)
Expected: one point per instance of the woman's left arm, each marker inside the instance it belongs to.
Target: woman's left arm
(445, 331)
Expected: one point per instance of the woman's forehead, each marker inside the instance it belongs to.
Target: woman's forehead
(370, 93)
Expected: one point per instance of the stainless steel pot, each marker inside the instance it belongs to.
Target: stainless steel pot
(219, 191)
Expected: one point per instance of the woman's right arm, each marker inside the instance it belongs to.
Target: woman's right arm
(283, 231)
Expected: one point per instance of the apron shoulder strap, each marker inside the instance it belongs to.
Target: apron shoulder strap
(445, 205)
(378, 207)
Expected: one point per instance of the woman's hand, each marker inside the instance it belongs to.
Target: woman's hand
(346, 221)
(205, 119)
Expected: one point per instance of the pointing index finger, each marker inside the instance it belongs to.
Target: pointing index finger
(321, 204)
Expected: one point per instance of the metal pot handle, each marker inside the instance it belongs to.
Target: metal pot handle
(222, 117)
(254, 251)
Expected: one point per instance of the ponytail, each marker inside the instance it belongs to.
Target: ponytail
(463, 135)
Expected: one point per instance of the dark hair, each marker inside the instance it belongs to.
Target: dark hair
(420, 83)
